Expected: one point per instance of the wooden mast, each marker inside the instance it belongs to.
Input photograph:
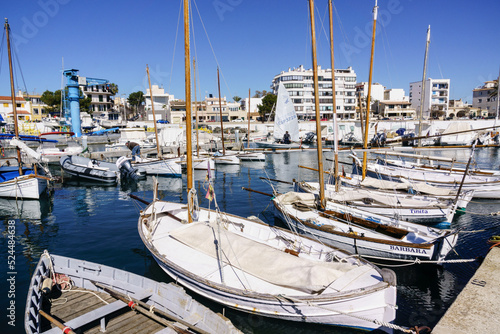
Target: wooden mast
(316, 106)
(13, 96)
(158, 149)
(196, 110)
(334, 104)
(187, 87)
(367, 120)
(422, 95)
(220, 113)
(248, 115)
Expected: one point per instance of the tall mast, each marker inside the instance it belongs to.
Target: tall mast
(367, 120)
(316, 106)
(158, 150)
(248, 115)
(220, 113)
(13, 96)
(422, 96)
(498, 95)
(334, 104)
(196, 109)
(187, 87)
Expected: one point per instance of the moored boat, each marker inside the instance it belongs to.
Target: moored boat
(84, 297)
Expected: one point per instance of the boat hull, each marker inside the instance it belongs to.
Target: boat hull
(168, 298)
(366, 243)
(342, 308)
(82, 171)
(23, 187)
(165, 167)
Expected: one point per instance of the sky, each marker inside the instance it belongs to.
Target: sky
(250, 40)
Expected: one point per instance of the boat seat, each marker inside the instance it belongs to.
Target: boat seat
(98, 313)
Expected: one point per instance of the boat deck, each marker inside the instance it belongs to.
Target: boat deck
(73, 304)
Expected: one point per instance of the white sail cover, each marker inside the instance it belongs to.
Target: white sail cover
(285, 118)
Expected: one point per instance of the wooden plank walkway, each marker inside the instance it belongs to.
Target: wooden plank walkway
(476, 308)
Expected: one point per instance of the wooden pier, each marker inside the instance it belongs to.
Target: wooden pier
(476, 308)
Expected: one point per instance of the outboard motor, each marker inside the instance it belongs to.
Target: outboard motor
(127, 171)
(309, 138)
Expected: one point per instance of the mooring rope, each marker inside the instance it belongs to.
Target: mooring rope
(375, 321)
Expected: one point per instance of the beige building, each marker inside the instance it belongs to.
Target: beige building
(485, 98)
(396, 110)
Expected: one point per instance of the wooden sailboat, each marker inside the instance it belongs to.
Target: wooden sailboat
(267, 271)
(19, 182)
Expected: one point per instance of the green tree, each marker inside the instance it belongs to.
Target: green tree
(267, 105)
(236, 98)
(135, 99)
(113, 88)
(52, 100)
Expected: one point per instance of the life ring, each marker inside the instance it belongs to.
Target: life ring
(193, 206)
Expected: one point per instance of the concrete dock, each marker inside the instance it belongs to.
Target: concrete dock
(476, 308)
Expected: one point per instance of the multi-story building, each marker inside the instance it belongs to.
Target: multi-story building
(254, 107)
(396, 110)
(208, 110)
(36, 106)
(100, 97)
(161, 101)
(485, 98)
(299, 84)
(435, 98)
(377, 94)
(395, 94)
(22, 109)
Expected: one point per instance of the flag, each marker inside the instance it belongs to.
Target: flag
(210, 193)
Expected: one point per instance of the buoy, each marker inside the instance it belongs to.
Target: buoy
(47, 285)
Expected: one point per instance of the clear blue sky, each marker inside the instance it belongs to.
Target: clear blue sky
(253, 40)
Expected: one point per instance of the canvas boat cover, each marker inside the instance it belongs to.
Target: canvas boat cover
(265, 262)
(405, 185)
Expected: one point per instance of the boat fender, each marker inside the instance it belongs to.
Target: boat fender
(47, 285)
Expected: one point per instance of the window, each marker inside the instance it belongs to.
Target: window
(100, 98)
(35, 111)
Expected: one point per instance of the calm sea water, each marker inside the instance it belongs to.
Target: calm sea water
(99, 224)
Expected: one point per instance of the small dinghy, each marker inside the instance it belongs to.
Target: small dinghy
(101, 171)
(84, 297)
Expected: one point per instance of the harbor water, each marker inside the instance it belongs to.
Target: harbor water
(99, 224)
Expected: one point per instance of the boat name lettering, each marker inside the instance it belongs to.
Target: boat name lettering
(418, 211)
(408, 249)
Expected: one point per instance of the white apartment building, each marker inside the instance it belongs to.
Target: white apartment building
(435, 98)
(22, 109)
(299, 84)
(161, 104)
(254, 107)
(395, 94)
(100, 96)
(485, 98)
(377, 93)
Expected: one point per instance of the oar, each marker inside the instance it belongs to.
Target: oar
(65, 329)
(258, 192)
(144, 308)
(268, 179)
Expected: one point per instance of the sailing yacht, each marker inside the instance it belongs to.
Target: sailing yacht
(285, 120)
